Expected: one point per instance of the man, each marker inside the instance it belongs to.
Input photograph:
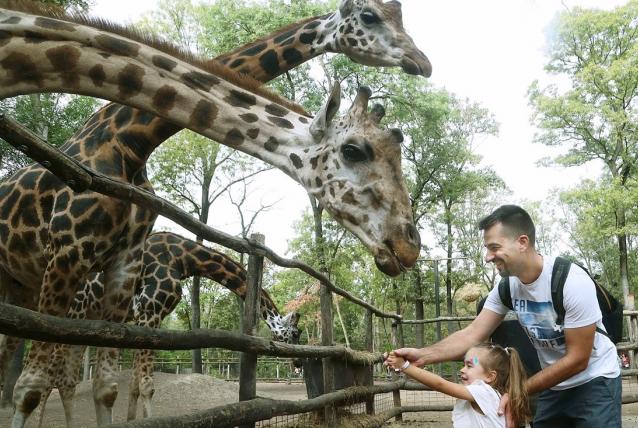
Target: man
(580, 383)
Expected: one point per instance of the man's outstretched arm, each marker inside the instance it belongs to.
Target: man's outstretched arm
(455, 345)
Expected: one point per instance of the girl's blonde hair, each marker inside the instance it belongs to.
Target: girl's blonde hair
(510, 377)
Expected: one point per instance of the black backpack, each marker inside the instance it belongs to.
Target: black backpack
(610, 307)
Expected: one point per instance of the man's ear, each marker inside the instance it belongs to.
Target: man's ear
(523, 241)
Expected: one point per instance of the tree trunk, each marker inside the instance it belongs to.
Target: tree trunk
(343, 326)
(448, 275)
(623, 257)
(196, 323)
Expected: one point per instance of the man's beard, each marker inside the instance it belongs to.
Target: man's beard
(504, 271)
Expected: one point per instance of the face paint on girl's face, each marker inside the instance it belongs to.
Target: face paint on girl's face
(472, 369)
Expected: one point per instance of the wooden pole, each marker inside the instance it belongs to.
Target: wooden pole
(248, 360)
(369, 317)
(330, 413)
(396, 395)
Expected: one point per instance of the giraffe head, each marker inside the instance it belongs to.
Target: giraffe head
(354, 171)
(371, 32)
(284, 329)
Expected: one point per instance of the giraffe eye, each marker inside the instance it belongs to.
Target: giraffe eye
(353, 153)
(368, 17)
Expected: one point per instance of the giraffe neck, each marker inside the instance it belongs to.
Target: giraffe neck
(195, 259)
(262, 60)
(79, 59)
(285, 49)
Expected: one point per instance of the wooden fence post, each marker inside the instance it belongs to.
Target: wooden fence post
(248, 360)
(330, 414)
(396, 395)
(369, 317)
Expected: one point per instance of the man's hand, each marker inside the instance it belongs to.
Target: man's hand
(504, 409)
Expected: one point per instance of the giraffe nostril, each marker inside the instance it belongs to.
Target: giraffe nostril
(413, 234)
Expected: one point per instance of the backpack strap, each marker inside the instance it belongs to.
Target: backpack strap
(505, 293)
(559, 276)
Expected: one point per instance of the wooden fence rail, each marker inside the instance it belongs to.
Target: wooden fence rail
(20, 322)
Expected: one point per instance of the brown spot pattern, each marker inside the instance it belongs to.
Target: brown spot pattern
(117, 46)
(21, 69)
(54, 24)
(97, 74)
(234, 137)
(129, 80)
(203, 115)
(282, 123)
(197, 80)
(164, 99)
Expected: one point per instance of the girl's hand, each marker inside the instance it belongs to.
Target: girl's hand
(394, 361)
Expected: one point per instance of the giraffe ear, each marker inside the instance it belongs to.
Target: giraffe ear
(326, 113)
(345, 7)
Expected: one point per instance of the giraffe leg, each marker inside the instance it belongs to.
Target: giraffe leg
(105, 387)
(39, 411)
(55, 299)
(13, 293)
(119, 288)
(68, 371)
(147, 384)
(134, 388)
(142, 382)
(66, 395)
(8, 346)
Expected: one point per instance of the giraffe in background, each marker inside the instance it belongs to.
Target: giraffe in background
(322, 155)
(168, 260)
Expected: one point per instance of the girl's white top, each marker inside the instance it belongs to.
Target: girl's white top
(487, 399)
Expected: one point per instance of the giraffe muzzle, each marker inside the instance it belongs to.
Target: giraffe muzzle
(417, 64)
(401, 250)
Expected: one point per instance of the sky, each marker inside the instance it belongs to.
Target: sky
(486, 51)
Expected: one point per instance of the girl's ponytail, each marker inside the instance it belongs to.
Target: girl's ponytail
(518, 398)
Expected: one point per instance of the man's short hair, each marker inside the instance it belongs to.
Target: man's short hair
(513, 218)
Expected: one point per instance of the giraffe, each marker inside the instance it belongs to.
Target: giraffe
(78, 233)
(168, 260)
(369, 31)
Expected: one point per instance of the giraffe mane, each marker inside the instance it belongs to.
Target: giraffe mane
(156, 42)
(267, 296)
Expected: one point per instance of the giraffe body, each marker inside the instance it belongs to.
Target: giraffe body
(168, 260)
(54, 243)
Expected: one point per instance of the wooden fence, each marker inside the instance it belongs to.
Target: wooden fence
(28, 324)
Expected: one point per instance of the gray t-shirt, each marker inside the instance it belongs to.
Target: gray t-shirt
(535, 311)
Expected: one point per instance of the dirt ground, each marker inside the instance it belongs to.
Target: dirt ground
(182, 394)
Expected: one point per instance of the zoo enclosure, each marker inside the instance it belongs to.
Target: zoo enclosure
(27, 324)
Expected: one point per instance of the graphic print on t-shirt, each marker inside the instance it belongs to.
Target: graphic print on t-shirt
(538, 319)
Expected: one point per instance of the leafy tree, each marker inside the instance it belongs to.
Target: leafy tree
(588, 213)
(595, 117)
(53, 117)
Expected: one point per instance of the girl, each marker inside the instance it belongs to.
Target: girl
(488, 372)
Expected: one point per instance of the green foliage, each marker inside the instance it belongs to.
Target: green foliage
(593, 115)
(54, 117)
(72, 5)
(589, 217)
